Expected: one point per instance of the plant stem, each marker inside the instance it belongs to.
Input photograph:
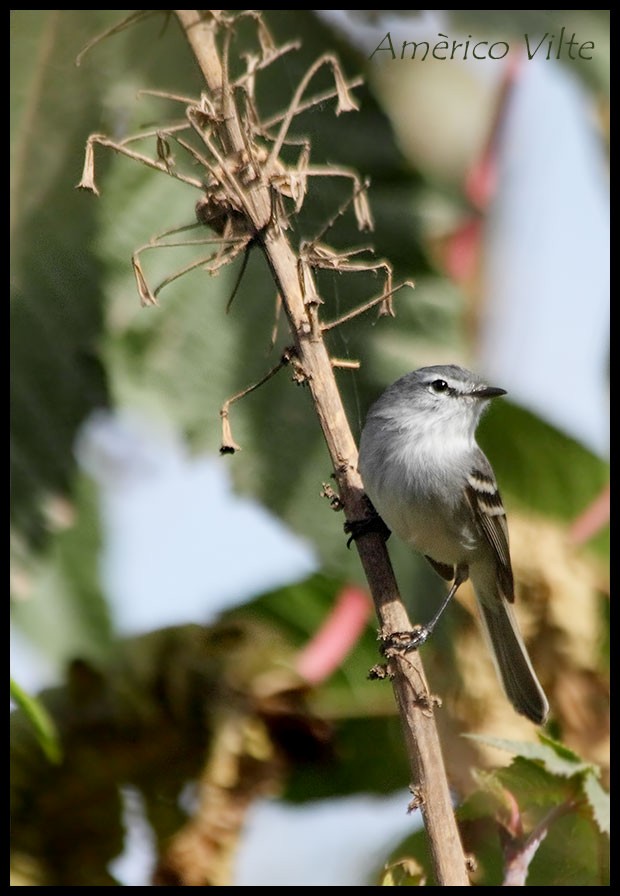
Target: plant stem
(429, 782)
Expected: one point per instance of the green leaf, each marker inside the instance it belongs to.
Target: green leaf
(532, 785)
(574, 852)
(59, 291)
(538, 467)
(40, 720)
(599, 801)
(298, 611)
(554, 756)
(403, 873)
(361, 712)
(56, 297)
(552, 783)
(66, 613)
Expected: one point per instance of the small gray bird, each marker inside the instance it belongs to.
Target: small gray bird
(432, 485)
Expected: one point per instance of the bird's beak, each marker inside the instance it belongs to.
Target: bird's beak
(487, 392)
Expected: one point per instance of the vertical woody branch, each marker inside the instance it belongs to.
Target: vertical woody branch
(429, 781)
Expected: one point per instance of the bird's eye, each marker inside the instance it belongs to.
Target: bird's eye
(439, 386)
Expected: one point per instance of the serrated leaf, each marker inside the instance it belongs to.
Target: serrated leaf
(599, 801)
(562, 751)
(555, 757)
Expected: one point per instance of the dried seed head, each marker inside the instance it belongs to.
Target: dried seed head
(228, 446)
(146, 296)
(361, 207)
(346, 103)
(87, 181)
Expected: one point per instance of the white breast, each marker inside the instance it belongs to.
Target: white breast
(419, 494)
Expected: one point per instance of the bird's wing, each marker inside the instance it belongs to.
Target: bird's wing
(487, 507)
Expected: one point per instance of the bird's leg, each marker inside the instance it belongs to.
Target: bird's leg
(407, 641)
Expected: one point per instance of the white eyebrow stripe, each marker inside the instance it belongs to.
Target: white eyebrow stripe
(461, 388)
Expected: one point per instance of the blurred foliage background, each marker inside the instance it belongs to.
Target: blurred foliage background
(81, 342)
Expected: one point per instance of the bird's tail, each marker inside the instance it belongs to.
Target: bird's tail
(512, 662)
